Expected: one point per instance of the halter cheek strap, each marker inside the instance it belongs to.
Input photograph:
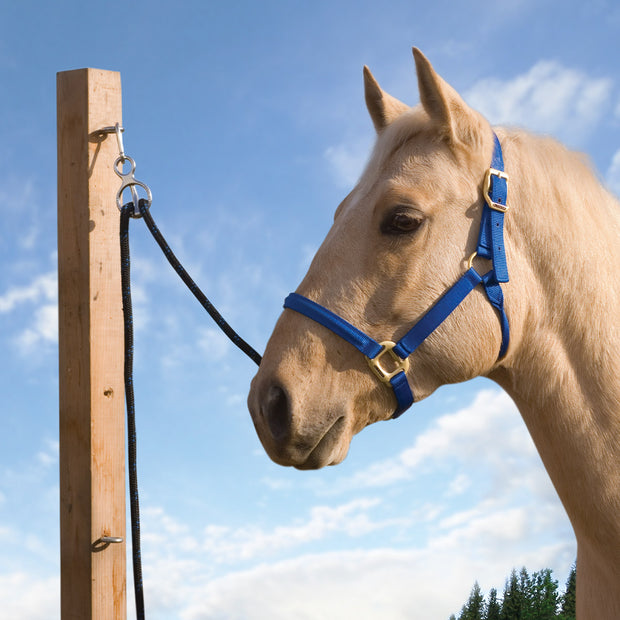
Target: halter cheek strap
(389, 360)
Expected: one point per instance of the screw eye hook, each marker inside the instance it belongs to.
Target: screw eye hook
(118, 130)
(105, 541)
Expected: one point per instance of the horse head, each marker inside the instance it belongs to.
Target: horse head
(399, 240)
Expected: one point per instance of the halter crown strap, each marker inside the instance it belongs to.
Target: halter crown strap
(490, 246)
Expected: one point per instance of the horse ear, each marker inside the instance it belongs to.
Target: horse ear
(454, 118)
(383, 108)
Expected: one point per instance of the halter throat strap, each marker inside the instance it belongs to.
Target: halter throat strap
(389, 360)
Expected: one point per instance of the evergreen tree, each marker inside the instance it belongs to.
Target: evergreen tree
(526, 597)
(542, 597)
(493, 608)
(568, 598)
(474, 608)
(525, 586)
(513, 599)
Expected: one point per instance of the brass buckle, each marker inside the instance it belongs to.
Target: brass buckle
(492, 172)
(382, 373)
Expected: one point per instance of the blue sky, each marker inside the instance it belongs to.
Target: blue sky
(248, 122)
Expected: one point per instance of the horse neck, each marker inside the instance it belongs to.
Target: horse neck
(564, 231)
(563, 368)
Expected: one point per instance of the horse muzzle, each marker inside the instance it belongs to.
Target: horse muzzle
(292, 437)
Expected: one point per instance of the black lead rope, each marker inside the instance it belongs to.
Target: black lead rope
(193, 287)
(127, 212)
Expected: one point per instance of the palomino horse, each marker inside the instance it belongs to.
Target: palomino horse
(401, 239)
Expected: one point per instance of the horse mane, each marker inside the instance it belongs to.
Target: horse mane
(558, 197)
(572, 168)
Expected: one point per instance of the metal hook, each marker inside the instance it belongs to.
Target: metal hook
(104, 542)
(118, 130)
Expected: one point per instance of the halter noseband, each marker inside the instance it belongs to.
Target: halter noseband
(490, 246)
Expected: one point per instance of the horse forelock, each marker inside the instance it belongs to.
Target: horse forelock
(412, 126)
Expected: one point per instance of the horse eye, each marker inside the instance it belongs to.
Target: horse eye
(401, 221)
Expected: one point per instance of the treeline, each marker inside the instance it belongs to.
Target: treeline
(526, 597)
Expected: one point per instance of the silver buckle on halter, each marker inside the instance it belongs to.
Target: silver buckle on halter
(492, 172)
(382, 373)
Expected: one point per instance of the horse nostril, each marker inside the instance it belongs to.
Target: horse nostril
(276, 411)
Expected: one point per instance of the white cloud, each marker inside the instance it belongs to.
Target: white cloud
(389, 583)
(276, 484)
(49, 456)
(548, 98)
(459, 485)
(43, 287)
(226, 544)
(43, 329)
(28, 239)
(210, 343)
(347, 161)
(357, 584)
(463, 435)
(43, 292)
(29, 597)
(392, 584)
(214, 343)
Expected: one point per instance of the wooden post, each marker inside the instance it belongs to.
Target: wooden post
(92, 426)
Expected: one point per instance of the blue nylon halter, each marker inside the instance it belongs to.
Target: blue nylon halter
(490, 246)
